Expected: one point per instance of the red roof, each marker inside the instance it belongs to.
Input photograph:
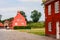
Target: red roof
(1, 24)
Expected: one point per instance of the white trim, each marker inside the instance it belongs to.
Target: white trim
(57, 30)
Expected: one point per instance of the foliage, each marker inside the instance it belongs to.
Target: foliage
(36, 25)
(10, 19)
(35, 15)
(43, 1)
(23, 13)
(22, 27)
(7, 19)
(30, 22)
(0, 21)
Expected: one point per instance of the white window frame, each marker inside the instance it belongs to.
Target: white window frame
(49, 9)
(50, 26)
(57, 7)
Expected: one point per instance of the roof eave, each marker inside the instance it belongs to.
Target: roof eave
(47, 2)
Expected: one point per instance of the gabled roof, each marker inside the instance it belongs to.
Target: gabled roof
(19, 15)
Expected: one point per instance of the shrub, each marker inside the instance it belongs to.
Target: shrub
(36, 25)
(22, 27)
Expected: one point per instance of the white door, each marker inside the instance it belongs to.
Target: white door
(57, 30)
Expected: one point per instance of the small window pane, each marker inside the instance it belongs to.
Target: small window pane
(16, 24)
(57, 7)
(49, 10)
(49, 26)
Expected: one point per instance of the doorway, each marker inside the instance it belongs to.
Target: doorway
(57, 30)
(6, 27)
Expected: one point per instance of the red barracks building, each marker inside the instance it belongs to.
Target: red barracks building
(52, 18)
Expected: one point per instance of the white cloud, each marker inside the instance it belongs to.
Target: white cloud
(8, 11)
(30, 0)
(11, 11)
(2, 2)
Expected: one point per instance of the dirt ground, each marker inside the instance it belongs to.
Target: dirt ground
(16, 35)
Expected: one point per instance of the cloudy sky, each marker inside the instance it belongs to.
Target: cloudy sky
(9, 8)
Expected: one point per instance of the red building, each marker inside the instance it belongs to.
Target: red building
(52, 18)
(1, 25)
(18, 20)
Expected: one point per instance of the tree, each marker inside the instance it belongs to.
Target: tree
(10, 19)
(0, 20)
(23, 13)
(35, 15)
(43, 1)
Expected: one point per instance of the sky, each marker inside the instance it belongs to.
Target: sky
(9, 8)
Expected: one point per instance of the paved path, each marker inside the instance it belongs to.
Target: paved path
(16, 35)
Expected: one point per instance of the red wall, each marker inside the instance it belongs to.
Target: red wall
(51, 18)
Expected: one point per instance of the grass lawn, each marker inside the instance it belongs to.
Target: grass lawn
(38, 31)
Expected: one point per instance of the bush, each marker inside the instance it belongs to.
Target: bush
(22, 27)
(36, 25)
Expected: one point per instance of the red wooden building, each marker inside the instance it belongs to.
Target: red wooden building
(18, 20)
(1, 25)
(52, 18)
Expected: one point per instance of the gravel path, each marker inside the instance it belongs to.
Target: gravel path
(16, 35)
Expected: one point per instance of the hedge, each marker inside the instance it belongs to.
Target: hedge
(37, 25)
(22, 27)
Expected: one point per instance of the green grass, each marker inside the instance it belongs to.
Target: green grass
(37, 31)
(36, 28)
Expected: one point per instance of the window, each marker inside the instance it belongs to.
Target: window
(16, 24)
(22, 23)
(49, 26)
(57, 7)
(49, 10)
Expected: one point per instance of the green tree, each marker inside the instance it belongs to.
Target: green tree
(0, 21)
(10, 19)
(23, 13)
(43, 1)
(35, 15)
